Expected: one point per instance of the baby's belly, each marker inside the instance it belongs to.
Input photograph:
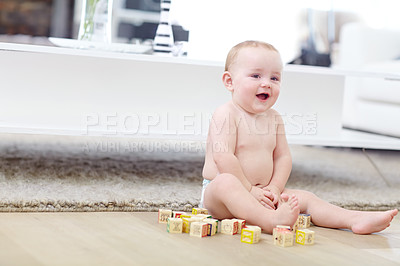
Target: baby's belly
(258, 170)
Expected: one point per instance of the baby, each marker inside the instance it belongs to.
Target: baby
(248, 161)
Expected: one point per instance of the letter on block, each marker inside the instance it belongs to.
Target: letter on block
(186, 224)
(283, 237)
(279, 226)
(251, 234)
(176, 214)
(163, 215)
(212, 226)
(303, 221)
(199, 211)
(305, 237)
(229, 227)
(174, 225)
(198, 229)
(241, 224)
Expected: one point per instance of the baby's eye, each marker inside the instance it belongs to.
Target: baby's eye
(257, 76)
(275, 78)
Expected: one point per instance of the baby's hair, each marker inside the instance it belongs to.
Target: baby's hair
(235, 50)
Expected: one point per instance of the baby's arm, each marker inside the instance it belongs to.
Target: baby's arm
(222, 134)
(282, 162)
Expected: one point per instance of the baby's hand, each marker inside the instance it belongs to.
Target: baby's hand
(275, 194)
(263, 196)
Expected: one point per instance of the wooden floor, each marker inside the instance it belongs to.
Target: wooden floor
(137, 239)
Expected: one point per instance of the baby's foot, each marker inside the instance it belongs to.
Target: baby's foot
(287, 212)
(371, 222)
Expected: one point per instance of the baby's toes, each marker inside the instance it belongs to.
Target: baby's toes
(296, 209)
(292, 198)
(285, 197)
(294, 202)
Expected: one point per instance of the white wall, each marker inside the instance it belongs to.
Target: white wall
(375, 13)
(215, 26)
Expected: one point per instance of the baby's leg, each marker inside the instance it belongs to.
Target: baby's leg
(328, 215)
(225, 197)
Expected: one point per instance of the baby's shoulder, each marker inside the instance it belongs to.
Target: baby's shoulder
(227, 109)
(275, 116)
(273, 112)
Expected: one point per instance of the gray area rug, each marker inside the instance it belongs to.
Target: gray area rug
(53, 173)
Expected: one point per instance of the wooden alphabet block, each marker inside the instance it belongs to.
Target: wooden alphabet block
(279, 227)
(229, 227)
(202, 216)
(186, 222)
(163, 215)
(296, 225)
(198, 229)
(241, 224)
(283, 237)
(212, 226)
(186, 215)
(177, 214)
(174, 225)
(305, 237)
(303, 221)
(251, 234)
(197, 218)
(199, 211)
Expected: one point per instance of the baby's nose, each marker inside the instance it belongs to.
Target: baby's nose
(265, 84)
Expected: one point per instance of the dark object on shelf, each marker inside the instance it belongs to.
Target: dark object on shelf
(145, 5)
(312, 58)
(148, 31)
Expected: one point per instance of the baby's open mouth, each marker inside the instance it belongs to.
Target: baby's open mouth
(263, 96)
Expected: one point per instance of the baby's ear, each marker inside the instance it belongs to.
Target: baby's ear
(227, 80)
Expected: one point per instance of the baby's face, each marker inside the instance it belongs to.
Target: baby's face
(256, 79)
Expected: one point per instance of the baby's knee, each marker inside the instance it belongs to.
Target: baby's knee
(226, 181)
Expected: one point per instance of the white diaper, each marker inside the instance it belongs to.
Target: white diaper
(205, 184)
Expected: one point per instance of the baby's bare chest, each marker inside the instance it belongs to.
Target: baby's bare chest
(256, 134)
(255, 148)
